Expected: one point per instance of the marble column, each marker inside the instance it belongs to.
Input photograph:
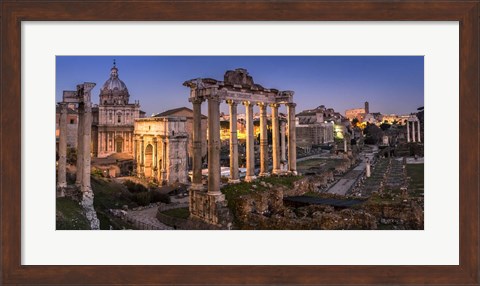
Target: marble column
(292, 140)
(197, 145)
(234, 177)
(79, 173)
(408, 131)
(62, 151)
(419, 140)
(214, 146)
(282, 142)
(250, 156)
(413, 131)
(135, 142)
(263, 140)
(163, 171)
(142, 156)
(87, 139)
(155, 156)
(275, 139)
(367, 168)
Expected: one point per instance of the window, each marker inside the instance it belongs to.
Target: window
(72, 121)
(110, 116)
(119, 118)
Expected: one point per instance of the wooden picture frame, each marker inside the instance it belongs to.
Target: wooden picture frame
(14, 12)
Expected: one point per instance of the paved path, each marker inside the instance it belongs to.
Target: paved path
(347, 181)
(350, 178)
(146, 219)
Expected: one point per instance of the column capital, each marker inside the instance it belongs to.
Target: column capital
(215, 99)
(231, 102)
(63, 108)
(274, 105)
(263, 106)
(291, 104)
(246, 102)
(196, 100)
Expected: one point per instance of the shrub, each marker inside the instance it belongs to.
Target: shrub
(156, 196)
(152, 186)
(97, 172)
(142, 199)
(134, 187)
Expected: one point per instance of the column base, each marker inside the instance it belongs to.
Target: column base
(292, 173)
(196, 187)
(233, 181)
(61, 190)
(211, 209)
(87, 204)
(250, 178)
(277, 171)
(87, 192)
(266, 174)
(216, 196)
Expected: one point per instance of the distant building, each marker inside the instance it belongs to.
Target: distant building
(188, 114)
(358, 113)
(316, 126)
(72, 125)
(241, 125)
(113, 131)
(391, 118)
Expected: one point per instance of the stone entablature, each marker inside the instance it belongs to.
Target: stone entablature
(160, 149)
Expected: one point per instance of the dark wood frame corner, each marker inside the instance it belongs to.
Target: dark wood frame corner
(13, 12)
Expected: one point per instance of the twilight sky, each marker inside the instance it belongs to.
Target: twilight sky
(391, 84)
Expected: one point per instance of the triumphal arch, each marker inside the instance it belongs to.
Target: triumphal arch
(237, 88)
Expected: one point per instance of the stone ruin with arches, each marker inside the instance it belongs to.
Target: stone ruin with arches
(82, 98)
(237, 88)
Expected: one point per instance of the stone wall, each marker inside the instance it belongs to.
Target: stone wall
(209, 208)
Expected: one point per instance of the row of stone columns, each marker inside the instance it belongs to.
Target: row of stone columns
(83, 148)
(214, 143)
(413, 133)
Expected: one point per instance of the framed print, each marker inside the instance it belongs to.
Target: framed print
(354, 160)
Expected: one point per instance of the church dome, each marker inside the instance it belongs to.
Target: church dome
(114, 91)
(114, 82)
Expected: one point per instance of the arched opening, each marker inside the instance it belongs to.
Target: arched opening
(148, 160)
(119, 144)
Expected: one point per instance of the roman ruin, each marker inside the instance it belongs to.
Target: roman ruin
(160, 149)
(237, 87)
(413, 136)
(82, 98)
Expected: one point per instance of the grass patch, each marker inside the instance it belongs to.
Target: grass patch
(182, 213)
(70, 215)
(416, 174)
(310, 163)
(110, 195)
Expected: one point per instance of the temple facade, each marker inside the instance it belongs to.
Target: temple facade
(237, 88)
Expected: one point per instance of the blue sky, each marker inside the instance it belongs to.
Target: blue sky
(391, 84)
